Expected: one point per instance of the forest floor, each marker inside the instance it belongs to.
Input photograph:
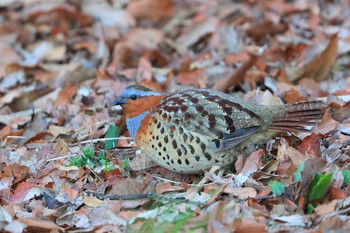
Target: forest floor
(64, 62)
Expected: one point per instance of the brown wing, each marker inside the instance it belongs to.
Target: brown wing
(213, 114)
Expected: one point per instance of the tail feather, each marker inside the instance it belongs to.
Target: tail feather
(298, 117)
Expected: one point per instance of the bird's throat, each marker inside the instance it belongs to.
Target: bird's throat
(136, 111)
(134, 123)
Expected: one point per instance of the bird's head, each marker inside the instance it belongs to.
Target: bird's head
(136, 99)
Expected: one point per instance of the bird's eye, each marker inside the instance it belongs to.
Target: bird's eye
(133, 97)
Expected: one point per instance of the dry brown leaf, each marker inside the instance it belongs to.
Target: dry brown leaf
(66, 95)
(167, 187)
(127, 186)
(92, 201)
(327, 124)
(252, 163)
(195, 33)
(236, 77)
(197, 78)
(310, 146)
(40, 225)
(296, 157)
(144, 39)
(241, 192)
(141, 162)
(323, 209)
(157, 12)
(319, 68)
(293, 96)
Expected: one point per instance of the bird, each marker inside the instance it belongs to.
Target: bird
(192, 130)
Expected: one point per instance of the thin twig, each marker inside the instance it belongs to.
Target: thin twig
(179, 183)
(15, 137)
(150, 195)
(62, 157)
(100, 140)
(122, 197)
(331, 215)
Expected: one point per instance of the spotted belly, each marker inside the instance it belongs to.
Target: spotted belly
(180, 150)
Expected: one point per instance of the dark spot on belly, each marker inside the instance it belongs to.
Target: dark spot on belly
(179, 153)
(198, 140)
(174, 143)
(179, 161)
(228, 120)
(208, 156)
(204, 113)
(166, 139)
(212, 124)
(203, 147)
(228, 111)
(217, 143)
(197, 157)
(200, 108)
(184, 150)
(181, 130)
(191, 149)
(194, 100)
(185, 137)
(187, 162)
(231, 129)
(172, 129)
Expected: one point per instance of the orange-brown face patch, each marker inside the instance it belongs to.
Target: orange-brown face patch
(140, 105)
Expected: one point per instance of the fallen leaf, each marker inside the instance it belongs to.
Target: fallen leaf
(167, 187)
(241, 192)
(327, 124)
(92, 201)
(319, 68)
(310, 146)
(161, 10)
(66, 95)
(296, 157)
(323, 209)
(252, 163)
(196, 78)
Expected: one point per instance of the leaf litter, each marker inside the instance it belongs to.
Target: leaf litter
(63, 64)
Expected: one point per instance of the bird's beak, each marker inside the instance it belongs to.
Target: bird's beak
(120, 101)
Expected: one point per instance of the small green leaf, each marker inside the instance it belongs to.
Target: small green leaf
(346, 175)
(112, 132)
(108, 167)
(310, 209)
(125, 163)
(277, 187)
(319, 186)
(88, 150)
(76, 161)
(297, 174)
